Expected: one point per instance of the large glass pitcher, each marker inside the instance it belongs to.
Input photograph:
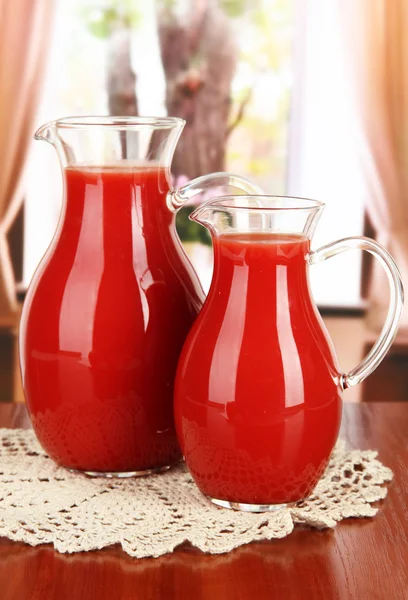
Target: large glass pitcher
(113, 299)
(258, 388)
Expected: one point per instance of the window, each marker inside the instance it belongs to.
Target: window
(239, 53)
(323, 160)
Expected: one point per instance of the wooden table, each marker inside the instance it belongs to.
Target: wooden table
(364, 559)
(389, 381)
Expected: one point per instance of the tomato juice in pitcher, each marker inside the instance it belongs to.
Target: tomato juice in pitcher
(113, 299)
(258, 394)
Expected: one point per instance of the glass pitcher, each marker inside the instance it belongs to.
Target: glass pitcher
(113, 299)
(258, 388)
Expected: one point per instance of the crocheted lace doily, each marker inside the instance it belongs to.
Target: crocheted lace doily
(42, 503)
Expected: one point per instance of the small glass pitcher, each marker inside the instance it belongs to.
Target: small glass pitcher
(258, 388)
(113, 299)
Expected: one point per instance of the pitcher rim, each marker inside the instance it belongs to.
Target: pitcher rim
(82, 121)
(299, 202)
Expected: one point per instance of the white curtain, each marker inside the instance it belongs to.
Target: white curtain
(323, 160)
(24, 29)
(375, 43)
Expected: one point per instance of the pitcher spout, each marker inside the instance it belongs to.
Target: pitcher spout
(204, 215)
(46, 132)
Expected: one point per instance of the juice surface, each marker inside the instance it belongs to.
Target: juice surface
(257, 401)
(104, 323)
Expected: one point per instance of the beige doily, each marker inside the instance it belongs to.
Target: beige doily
(43, 503)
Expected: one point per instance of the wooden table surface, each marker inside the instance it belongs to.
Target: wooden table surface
(361, 559)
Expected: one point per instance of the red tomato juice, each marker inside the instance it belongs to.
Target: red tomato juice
(257, 401)
(104, 323)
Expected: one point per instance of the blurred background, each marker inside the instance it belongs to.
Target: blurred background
(304, 97)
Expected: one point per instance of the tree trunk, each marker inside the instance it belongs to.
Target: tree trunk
(199, 62)
(121, 80)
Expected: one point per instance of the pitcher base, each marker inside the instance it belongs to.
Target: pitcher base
(255, 508)
(124, 474)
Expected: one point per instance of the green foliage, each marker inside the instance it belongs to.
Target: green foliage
(234, 8)
(189, 231)
(99, 22)
(258, 145)
(101, 19)
(166, 4)
(259, 166)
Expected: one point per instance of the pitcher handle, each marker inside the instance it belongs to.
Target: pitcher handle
(389, 330)
(176, 198)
